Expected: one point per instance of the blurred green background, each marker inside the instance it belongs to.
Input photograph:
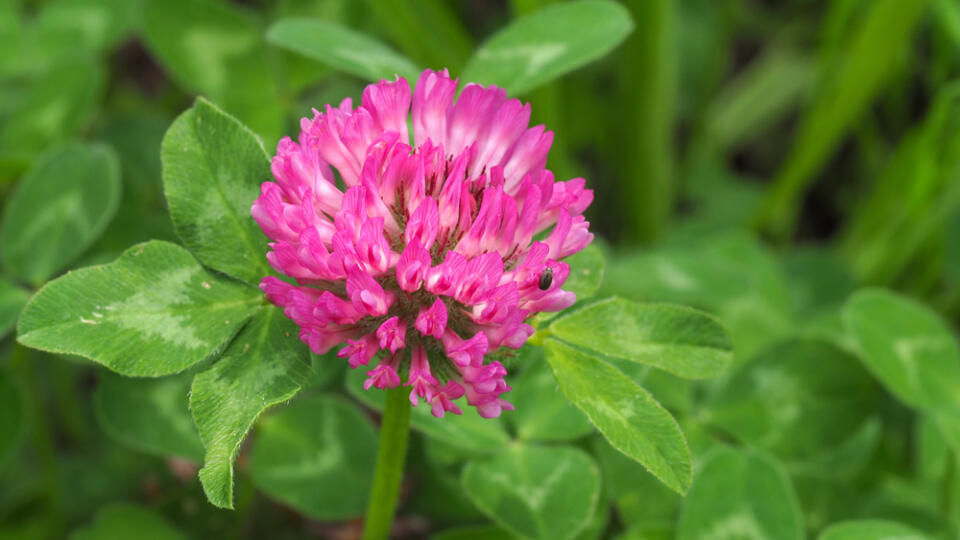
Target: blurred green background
(759, 159)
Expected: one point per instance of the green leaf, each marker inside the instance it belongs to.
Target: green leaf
(212, 170)
(11, 416)
(154, 311)
(55, 106)
(907, 347)
(59, 208)
(542, 413)
(66, 28)
(469, 431)
(636, 494)
(626, 414)
(267, 364)
(819, 280)
(796, 399)
(870, 529)
(731, 275)
(12, 300)
(852, 80)
(683, 341)
(151, 415)
(342, 48)
(586, 272)
(318, 456)
(536, 491)
(744, 495)
(124, 520)
(216, 48)
(474, 532)
(764, 92)
(548, 43)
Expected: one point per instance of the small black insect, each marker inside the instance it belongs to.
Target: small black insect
(546, 278)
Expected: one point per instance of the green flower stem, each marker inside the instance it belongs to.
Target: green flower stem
(391, 455)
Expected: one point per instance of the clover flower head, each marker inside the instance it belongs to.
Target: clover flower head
(421, 254)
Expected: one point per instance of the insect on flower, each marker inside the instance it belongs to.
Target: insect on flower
(427, 261)
(546, 279)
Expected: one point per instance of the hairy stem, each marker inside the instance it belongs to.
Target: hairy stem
(391, 455)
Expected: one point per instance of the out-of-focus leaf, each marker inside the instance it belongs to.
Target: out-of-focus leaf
(548, 43)
(448, 43)
(586, 272)
(907, 347)
(152, 312)
(761, 95)
(142, 214)
(318, 456)
(647, 109)
(633, 422)
(60, 207)
(69, 27)
(932, 451)
(151, 415)
(911, 200)
(212, 170)
(818, 280)
(877, 43)
(744, 494)
(265, 365)
(11, 416)
(637, 495)
(542, 413)
(732, 276)
(796, 399)
(704, 45)
(215, 48)
(55, 106)
(123, 520)
(536, 491)
(12, 300)
(342, 48)
(474, 532)
(469, 431)
(680, 340)
(870, 529)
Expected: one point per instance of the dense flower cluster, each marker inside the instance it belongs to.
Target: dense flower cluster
(421, 258)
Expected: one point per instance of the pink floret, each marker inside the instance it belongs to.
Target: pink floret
(426, 258)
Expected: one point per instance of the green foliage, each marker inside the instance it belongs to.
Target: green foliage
(586, 272)
(796, 399)
(123, 520)
(215, 48)
(154, 311)
(740, 494)
(870, 530)
(149, 414)
(12, 299)
(60, 207)
(868, 59)
(317, 456)
(542, 413)
(625, 414)
(54, 106)
(548, 43)
(212, 170)
(536, 491)
(804, 401)
(468, 432)
(11, 416)
(683, 341)
(908, 348)
(342, 48)
(265, 365)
